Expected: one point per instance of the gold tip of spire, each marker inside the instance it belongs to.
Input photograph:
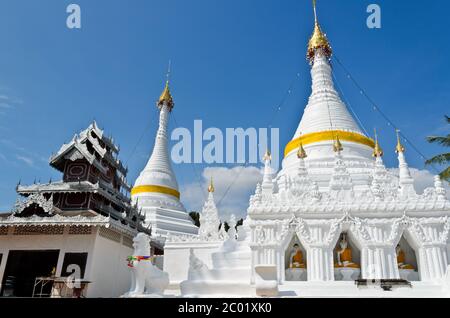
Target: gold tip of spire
(211, 186)
(301, 153)
(337, 146)
(318, 40)
(399, 148)
(166, 97)
(377, 151)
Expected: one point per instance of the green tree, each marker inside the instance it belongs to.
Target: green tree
(238, 223)
(195, 216)
(444, 158)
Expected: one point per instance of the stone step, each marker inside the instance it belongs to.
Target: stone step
(216, 289)
(231, 260)
(235, 274)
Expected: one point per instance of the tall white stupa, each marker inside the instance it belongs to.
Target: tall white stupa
(325, 119)
(332, 216)
(156, 189)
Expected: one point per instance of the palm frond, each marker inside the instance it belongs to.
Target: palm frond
(444, 141)
(445, 175)
(439, 159)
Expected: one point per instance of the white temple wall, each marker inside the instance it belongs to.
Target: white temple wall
(65, 243)
(165, 220)
(176, 258)
(109, 273)
(429, 239)
(433, 262)
(448, 253)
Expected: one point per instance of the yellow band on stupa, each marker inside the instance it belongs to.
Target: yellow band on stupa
(154, 188)
(328, 135)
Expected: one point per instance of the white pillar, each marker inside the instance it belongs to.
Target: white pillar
(432, 262)
(320, 263)
(379, 262)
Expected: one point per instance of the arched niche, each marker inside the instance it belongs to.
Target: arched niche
(408, 265)
(350, 267)
(294, 272)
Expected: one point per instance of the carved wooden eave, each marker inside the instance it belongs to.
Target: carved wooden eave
(59, 220)
(35, 198)
(77, 187)
(78, 142)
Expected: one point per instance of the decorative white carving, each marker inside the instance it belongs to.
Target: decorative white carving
(35, 198)
(209, 220)
(147, 279)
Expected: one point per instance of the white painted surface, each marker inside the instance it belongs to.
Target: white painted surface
(106, 264)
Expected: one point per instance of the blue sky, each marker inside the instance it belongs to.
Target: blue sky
(232, 62)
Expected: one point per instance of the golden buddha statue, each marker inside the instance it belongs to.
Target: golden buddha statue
(344, 254)
(401, 259)
(297, 258)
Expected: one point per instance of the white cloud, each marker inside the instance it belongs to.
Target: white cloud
(422, 179)
(27, 160)
(239, 181)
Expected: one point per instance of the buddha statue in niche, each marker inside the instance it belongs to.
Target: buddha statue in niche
(296, 259)
(344, 254)
(401, 259)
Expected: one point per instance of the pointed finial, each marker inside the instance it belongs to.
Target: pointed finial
(377, 151)
(337, 146)
(399, 148)
(168, 71)
(315, 12)
(211, 186)
(166, 97)
(301, 153)
(318, 40)
(267, 156)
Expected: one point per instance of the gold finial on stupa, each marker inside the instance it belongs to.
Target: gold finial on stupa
(318, 40)
(211, 186)
(166, 97)
(377, 151)
(399, 148)
(337, 146)
(301, 153)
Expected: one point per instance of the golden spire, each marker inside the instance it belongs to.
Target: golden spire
(399, 148)
(377, 151)
(166, 97)
(301, 153)
(318, 40)
(211, 186)
(267, 156)
(337, 146)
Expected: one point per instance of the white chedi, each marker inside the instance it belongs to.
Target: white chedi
(146, 279)
(209, 218)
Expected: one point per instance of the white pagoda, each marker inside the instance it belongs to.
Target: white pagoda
(156, 191)
(334, 215)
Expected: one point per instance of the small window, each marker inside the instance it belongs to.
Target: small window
(79, 259)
